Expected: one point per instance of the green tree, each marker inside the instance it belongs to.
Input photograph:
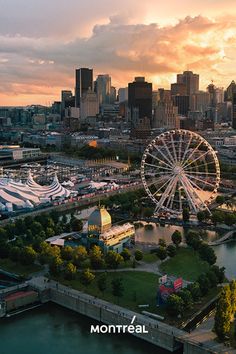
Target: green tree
(201, 216)
(217, 217)
(87, 277)
(126, 254)
(4, 249)
(55, 265)
(96, 257)
(117, 287)
(138, 255)
(193, 239)
(176, 238)
(223, 313)
(171, 250)
(185, 214)
(233, 296)
(195, 291)
(28, 255)
(113, 259)
(219, 272)
(76, 224)
(161, 253)
(67, 253)
(102, 282)
(70, 271)
(36, 228)
(174, 305)
(162, 242)
(204, 284)
(147, 212)
(80, 254)
(187, 298)
(207, 254)
(15, 253)
(220, 199)
(3, 234)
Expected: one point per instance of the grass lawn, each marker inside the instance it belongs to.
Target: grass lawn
(186, 264)
(149, 258)
(17, 268)
(139, 288)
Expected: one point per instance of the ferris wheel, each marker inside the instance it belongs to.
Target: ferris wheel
(180, 169)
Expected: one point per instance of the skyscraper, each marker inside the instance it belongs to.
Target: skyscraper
(234, 109)
(140, 100)
(103, 89)
(190, 80)
(83, 82)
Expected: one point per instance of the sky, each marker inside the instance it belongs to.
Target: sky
(42, 42)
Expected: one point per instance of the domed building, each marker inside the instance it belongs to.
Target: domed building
(99, 221)
(101, 232)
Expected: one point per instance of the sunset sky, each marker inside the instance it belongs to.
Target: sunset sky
(43, 41)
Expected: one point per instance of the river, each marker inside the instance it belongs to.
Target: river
(54, 330)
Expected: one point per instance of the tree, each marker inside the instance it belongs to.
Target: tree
(138, 255)
(171, 250)
(161, 253)
(87, 277)
(55, 265)
(204, 284)
(147, 212)
(186, 214)
(3, 234)
(80, 254)
(102, 282)
(117, 287)
(187, 298)
(212, 278)
(201, 216)
(195, 291)
(219, 272)
(50, 232)
(36, 228)
(28, 255)
(217, 217)
(4, 249)
(207, 253)
(96, 257)
(76, 224)
(230, 219)
(176, 238)
(126, 254)
(223, 313)
(193, 239)
(67, 253)
(220, 199)
(174, 305)
(233, 296)
(70, 271)
(15, 253)
(113, 259)
(162, 242)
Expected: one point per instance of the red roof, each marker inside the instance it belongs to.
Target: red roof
(19, 294)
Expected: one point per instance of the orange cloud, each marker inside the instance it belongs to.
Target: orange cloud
(40, 68)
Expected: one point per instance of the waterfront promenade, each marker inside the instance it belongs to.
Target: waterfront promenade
(159, 333)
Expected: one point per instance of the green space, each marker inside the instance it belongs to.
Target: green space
(139, 288)
(149, 257)
(17, 268)
(186, 264)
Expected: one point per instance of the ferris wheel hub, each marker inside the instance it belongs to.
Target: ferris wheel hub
(178, 170)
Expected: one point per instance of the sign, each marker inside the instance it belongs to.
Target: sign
(178, 284)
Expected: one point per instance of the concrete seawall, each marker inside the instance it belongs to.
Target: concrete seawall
(159, 334)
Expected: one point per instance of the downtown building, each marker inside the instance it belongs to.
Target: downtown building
(83, 83)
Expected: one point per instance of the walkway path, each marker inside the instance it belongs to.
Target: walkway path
(226, 237)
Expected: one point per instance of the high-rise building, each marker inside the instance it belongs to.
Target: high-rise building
(190, 80)
(183, 104)
(103, 89)
(89, 106)
(83, 83)
(165, 115)
(123, 94)
(139, 100)
(178, 89)
(234, 109)
(229, 91)
(201, 101)
(66, 96)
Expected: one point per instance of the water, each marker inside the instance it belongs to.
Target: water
(226, 257)
(165, 232)
(54, 330)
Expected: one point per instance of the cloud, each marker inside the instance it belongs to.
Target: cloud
(121, 49)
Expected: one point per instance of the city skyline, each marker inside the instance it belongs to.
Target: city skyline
(39, 52)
